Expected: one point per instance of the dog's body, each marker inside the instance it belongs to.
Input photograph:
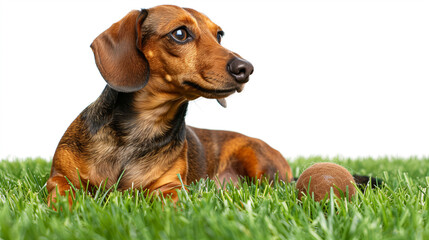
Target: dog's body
(135, 135)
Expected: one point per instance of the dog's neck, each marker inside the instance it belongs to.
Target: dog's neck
(159, 112)
(148, 119)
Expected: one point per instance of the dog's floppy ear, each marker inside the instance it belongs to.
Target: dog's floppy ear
(118, 54)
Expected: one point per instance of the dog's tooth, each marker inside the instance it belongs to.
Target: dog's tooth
(222, 102)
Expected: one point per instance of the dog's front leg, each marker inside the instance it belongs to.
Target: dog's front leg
(58, 184)
(169, 191)
(172, 180)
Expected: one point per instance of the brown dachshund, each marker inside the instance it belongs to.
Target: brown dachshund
(134, 135)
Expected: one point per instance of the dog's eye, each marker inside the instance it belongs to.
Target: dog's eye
(219, 36)
(180, 35)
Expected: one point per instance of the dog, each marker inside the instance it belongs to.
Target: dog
(134, 135)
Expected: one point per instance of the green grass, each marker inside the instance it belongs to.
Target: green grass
(399, 210)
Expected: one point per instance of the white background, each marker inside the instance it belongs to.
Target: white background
(346, 78)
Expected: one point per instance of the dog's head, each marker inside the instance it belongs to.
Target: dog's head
(178, 47)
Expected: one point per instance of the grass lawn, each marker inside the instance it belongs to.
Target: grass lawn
(398, 210)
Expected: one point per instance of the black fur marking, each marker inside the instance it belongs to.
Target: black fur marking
(111, 108)
(99, 113)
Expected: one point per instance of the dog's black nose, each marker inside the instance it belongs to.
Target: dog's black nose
(240, 69)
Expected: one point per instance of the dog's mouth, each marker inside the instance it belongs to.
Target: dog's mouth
(218, 94)
(214, 93)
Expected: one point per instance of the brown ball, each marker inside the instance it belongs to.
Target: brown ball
(324, 176)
